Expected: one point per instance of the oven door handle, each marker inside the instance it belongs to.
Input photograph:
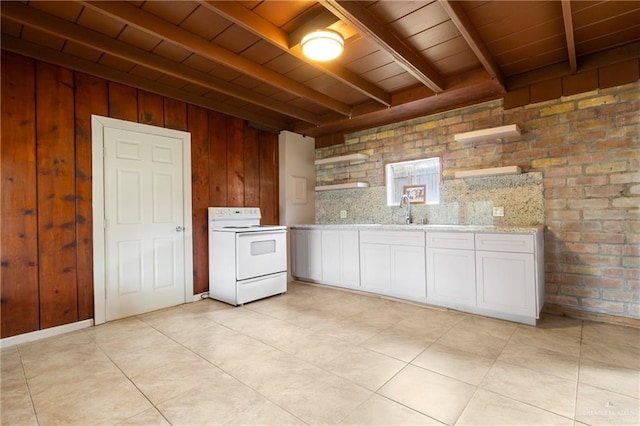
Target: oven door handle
(260, 233)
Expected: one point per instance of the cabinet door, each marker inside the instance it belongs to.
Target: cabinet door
(349, 258)
(299, 253)
(375, 268)
(408, 271)
(314, 255)
(331, 257)
(506, 282)
(451, 277)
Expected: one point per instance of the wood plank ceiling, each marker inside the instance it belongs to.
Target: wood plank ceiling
(402, 59)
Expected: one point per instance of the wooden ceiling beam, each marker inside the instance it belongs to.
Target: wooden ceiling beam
(151, 24)
(250, 21)
(50, 24)
(360, 18)
(567, 18)
(462, 90)
(462, 22)
(51, 56)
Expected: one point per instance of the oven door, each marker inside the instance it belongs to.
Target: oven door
(260, 253)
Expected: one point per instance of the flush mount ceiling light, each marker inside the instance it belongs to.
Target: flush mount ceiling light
(322, 45)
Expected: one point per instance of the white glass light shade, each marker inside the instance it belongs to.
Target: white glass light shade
(322, 45)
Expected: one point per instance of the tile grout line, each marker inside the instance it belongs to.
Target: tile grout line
(26, 382)
(130, 380)
(223, 370)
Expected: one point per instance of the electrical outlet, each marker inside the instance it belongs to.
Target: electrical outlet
(498, 211)
(343, 214)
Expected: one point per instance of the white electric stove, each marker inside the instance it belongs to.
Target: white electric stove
(247, 261)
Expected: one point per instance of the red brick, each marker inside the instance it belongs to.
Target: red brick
(588, 158)
(514, 146)
(587, 181)
(628, 120)
(607, 214)
(579, 291)
(600, 260)
(567, 150)
(621, 296)
(545, 142)
(563, 214)
(603, 305)
(606, 191)
(615, 249)
(554, 182)
(630, 177)
(561, 300)
(602, 237)
(594, 203)
(581, 247)
(566, 192)
(590, 281)
(564, 171)
(610, 144)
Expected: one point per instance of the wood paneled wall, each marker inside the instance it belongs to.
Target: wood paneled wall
(46, 226)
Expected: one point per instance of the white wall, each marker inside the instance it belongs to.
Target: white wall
(297, 180)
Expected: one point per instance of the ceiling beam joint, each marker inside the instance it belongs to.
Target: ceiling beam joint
(359, 17)
(567, 18)
(469, 32)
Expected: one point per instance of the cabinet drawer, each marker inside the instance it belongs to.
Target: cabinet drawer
(403, 238)
(513, 243)
(450, 240)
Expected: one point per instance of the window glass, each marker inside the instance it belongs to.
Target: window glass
(420, 179)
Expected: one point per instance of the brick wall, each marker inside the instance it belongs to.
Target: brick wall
(585, 145)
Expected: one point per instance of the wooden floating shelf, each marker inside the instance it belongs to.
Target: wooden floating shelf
(495, 171)
(349, 185)
(493, 133)
(342, 159)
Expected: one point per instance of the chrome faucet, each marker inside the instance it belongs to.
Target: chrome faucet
(407, 216)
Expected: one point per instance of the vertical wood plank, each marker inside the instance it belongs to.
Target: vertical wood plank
(217, 159)
(19, 312)
(56, 195)
(123, 102)
(251, 167)
(198, 126)
(150, 108)
(269, 178)
(235, 162)
(91, 97)
(175, 114)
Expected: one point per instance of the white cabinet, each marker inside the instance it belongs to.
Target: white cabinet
(508, 281)
(499, 275)
(451, 271)
(306, 250)
(393, 263)
(340, 258)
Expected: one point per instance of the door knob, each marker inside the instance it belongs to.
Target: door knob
(179, 228)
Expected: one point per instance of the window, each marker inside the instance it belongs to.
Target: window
(407, 175)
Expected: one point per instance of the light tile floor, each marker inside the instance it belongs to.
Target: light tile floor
(322, 356)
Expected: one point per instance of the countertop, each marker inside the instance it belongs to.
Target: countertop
(429, 227)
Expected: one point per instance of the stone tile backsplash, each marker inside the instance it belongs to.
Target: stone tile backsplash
(467, 201)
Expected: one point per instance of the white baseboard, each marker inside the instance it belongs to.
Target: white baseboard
(43, 334)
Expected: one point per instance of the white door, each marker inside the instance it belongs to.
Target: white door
(144, 222)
